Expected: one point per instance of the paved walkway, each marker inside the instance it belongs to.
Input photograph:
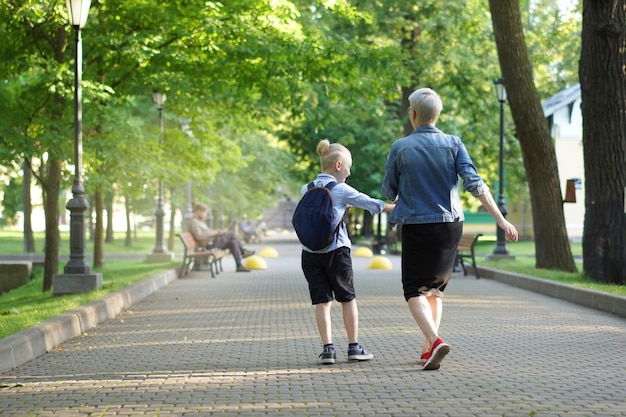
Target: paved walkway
(245, 344)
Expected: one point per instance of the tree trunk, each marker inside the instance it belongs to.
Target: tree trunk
(603, 88)
(98, 244)
(129, 227)
(552, 247)
(29, 239)
(406, 92)
(110, 237)
(51, 201)
(367, 227)
(172, 232)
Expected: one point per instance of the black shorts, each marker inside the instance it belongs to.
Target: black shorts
(329, 274)
(428, 254)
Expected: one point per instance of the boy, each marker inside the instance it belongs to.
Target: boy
(329, 270)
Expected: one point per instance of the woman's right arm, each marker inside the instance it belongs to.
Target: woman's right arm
(490, 205)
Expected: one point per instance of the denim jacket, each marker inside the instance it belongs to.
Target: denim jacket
(344, 195)
(423, 171)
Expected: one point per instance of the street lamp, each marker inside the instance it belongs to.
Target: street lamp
(77, 276)
(188, 213)
(501, 249)
(159, 253)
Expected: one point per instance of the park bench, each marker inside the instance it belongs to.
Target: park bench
(14, 274)
(465, 250)
(194, 253)
(386, 244)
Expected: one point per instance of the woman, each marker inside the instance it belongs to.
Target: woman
(421, 174)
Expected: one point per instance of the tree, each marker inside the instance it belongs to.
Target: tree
(603, 89)
(552, 248)
(237, 42)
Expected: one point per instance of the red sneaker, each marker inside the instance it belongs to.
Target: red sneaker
(439, 350)
(424, 358)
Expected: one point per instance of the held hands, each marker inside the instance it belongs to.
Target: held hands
(509, 230)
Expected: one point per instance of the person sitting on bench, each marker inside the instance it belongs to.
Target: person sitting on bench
(207, 237)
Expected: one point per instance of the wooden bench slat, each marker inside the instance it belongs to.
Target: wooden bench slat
(465, 250)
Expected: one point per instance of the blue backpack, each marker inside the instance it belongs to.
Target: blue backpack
(313, 217)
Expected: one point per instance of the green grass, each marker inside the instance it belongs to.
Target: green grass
(524, 263)
(28, 305)
(12, 242)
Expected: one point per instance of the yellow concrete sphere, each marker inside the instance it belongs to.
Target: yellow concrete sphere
(255, 262)
(363, 252)
(268, 252)
(379, 262)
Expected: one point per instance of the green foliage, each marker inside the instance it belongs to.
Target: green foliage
(368, 141)
(247, 73)
(553, 38)
(12, 201)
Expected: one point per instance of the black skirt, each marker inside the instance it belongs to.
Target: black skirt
(428, 252)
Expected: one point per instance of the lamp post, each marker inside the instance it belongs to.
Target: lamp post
(77, 276)
(159, 253)
(188, 212)
(501, 249)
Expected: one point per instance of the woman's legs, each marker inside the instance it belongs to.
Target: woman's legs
(427, 315)
(436, 306)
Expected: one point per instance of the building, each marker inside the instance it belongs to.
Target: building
(564, 115)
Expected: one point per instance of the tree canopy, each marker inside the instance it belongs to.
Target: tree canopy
(262, 82)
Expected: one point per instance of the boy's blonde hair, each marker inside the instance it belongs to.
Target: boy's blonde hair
(332, 152)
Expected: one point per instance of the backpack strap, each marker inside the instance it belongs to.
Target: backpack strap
(330, 185)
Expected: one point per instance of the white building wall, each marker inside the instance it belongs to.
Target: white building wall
(567, 134)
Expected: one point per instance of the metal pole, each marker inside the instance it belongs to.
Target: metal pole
(159, 212)
(78, 204)
(188, 214)
(501, 248)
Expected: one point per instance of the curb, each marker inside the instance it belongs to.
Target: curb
(610, 303)
(34, 341)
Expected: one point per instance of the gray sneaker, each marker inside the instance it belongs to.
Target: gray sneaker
(328, 356)
(358, 353)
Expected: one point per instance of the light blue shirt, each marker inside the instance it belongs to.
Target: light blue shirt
(423, 171)
(343, 196)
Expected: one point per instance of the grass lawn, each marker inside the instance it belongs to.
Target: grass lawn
(28, 305)
(524, 263)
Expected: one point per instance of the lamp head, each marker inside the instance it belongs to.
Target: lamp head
(185, 124)
(158, 99)
(77, 11)
(500, 90)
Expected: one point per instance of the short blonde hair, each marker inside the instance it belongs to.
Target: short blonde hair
(332, 152)
(427, 106)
